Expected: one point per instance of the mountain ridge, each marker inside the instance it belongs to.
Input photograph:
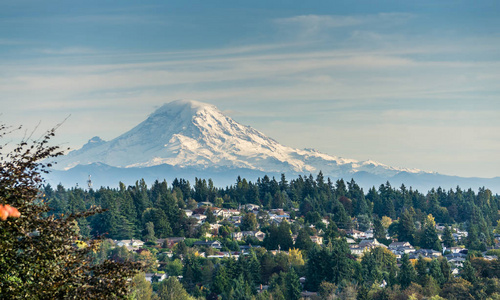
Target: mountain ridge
(189, 133)
(189, 139)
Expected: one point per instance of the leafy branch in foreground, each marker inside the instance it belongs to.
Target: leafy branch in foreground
(42, 256)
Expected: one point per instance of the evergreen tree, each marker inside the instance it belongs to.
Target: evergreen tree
(468, 272)
(448, 239)
(445, 269)
(241, 290)
(303, 240)
(284, 236)
(160, 221)
(407, 273)
(406, 227)
(221, 282)
(293, 289)
(340, 263)
(436, 272)
(211, 218)
(429, 238)
(378, 229)
(421, 268)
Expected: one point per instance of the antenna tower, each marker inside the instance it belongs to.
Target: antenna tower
(89, 183)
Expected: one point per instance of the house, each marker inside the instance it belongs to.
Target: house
(356, 234)
(365, 245)
(213, 244)
(429, 253)
(200, 204)
(401, 248)
(457, 262)
(243, 234)
(237, 235)
(131, 245)
(251, 207)
(170, 242)
(317, 239)
(395, 245)
(455, 250)
(199, 217)
(371, 244)
(356, 250)
(369, 234)
(214, 228)
(460, 235)
(188, 212)
(155, 277)
(235, 219)
(350, 241)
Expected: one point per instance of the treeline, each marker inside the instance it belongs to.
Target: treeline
(130, 209)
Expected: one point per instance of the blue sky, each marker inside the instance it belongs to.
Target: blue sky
(407, 84)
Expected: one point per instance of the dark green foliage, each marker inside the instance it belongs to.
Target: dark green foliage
(249, 222)
(407, 273)
(406, 227)
(303, 240)
(378, 264)
(468, 272)
(40, 256)
(378, 229)
(447, 237)
(332, 263)
(292, 284)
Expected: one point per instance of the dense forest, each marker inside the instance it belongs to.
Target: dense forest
(316, 206)
(130, 209)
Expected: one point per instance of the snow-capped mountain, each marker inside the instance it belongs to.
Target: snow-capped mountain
(192, 134)
(188, 139)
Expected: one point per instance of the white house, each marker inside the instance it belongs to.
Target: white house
(156, 277)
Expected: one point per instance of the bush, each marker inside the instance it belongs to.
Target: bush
(43, 257)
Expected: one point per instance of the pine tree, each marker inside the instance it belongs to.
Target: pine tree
(429, 238)
(293, 288)
(421, 268)
(303, 240)
(468, 272)
(378, 229)
(436, 272)
(221, 282)
(448, 239)
(284, 236)
(406, 227)
(407, 273)
(211, 218)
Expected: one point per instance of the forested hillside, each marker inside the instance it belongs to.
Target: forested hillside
(310, 225)
(131, 208)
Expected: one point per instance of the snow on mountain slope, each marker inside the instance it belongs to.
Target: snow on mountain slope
(188, 133)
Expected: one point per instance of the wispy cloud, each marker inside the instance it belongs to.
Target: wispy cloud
(307, 25)
(67, 51)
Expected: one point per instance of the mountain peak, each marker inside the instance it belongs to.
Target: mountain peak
(183, 107)
(188, 133)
